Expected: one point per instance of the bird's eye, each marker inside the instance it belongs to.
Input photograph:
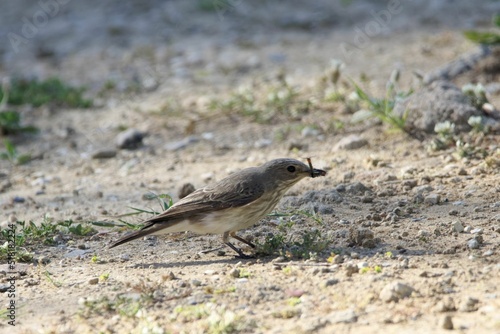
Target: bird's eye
(291, 169)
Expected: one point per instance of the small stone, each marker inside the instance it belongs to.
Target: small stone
(457, 227)
(446, 322)
(422, 189)
(331, 281)
(181, 144)
(350, 269)
(473, 244)
(423, 234)
(352, 142)
(235, 272)
(42, 260)
(196, 282)
(186, 189)
(104, 154)
(18, 199)
(477, 231)
(210, 272)
(129, 139)
(432, 199)
(395, 291)
(345, 316)
(462, 171)
(362, 265)
(94, 281)
(489, 252)
(447, 304)
(467, 229)
(469, 305)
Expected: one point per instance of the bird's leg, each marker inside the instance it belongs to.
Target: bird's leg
(225, 240)
(237, 237)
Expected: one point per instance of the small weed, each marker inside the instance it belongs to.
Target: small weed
(382, 108)
(29, 233)
(164, 200)
(10, 123)
(48, 275)
(12, 155)
(263, 107)
(125, 306)
(488, 38)
(38, 93)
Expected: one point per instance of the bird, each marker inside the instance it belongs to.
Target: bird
(236, 202)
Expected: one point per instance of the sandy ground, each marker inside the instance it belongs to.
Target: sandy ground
(167, 62)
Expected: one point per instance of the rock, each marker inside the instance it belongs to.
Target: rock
(395, 291)
(309, 131)
(104, 154)
(447, 304)
(440, 101)
(432, 199)
(330, 282)
(467, 229)
(477, 231)
(235, 272)
(94, 281)
(446, 322)
(350, 269)
(181, 144)
(457, 227)
(357, 188)
(129, 139)
(422, 189)
(185, 189)
(469, 305)
(345, 316)
(352, 142)
(473, 244)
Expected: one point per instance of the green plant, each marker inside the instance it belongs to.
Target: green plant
(488, 38)
(38, 93)
(382, 108)
(12, 155)
(10, 123)
(29, 233)
(164, 200)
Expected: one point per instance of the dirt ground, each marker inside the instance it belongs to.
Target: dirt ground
(156, 67)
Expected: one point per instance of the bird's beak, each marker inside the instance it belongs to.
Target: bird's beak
(317, 172)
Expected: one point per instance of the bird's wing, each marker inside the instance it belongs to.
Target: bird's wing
(208, 199)
(229, 194)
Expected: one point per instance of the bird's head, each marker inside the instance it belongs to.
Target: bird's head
(289, 171)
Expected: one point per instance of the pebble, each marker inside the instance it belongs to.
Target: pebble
(350, 269)
(395, 291)
(129, 139)
(361, 265)
(180, 144)
(467, 229)
(104, 154)
(185, 189)
(458, 227)
(423, 189)
(488, 253)
(235, 272)
(432, 199)
(446, 322)
(196, 282)
(345, 316)
(18, 199)
(447, 304)
(330, 282)
(94, 281)
(352, 142)
(473, 244)
(469, 304)
(477, 231)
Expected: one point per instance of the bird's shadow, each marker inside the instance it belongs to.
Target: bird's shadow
(189, 263)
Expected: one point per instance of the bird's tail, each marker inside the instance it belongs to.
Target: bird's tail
(150, 228)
